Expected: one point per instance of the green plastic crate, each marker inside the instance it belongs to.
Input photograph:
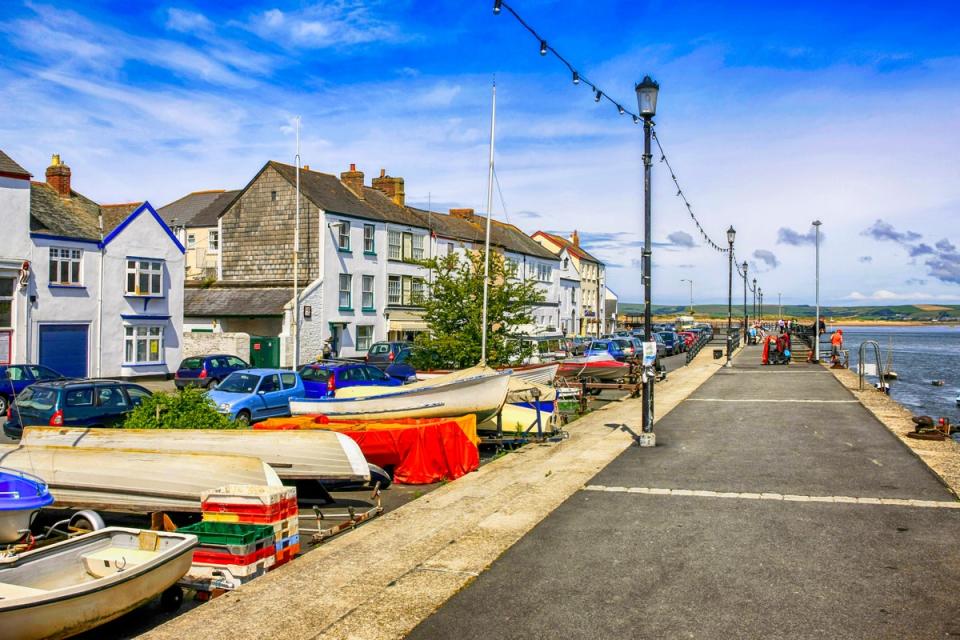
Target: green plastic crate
(228, 533)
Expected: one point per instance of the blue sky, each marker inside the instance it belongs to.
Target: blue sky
(772, 114)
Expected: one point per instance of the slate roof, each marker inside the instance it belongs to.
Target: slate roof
(580, 252)
(73, 217)
(235, 301)
(9, 166)
(327, 192)
(197, 209)
(114, 214)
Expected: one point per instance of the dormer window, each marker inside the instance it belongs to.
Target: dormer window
(65, 266)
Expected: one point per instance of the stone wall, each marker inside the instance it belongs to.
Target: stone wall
(258, 229)
(201, 343)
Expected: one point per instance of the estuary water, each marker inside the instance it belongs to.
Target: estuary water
(920, 356)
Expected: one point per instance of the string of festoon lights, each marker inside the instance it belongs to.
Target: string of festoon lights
(599, 94)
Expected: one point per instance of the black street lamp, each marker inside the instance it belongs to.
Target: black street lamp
(647, 92)
(760, 294)
(731, 236)
(754, 299)
(745, 301)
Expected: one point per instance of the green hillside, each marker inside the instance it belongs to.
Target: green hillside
(908, 312)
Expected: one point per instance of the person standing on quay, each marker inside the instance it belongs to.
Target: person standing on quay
(836, 346)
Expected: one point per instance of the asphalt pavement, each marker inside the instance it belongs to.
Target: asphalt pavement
(774, 505)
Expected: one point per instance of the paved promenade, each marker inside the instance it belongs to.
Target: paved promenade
(774, 505)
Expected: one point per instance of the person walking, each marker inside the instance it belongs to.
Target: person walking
(836, 346)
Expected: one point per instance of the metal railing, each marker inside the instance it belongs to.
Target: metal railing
(861, 364)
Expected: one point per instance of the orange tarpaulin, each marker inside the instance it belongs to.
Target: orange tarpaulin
(420, 451)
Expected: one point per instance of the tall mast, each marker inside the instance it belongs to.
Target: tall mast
(486, 242)
(296, 264)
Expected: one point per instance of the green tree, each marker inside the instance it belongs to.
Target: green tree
(188, 409)
(454, 310)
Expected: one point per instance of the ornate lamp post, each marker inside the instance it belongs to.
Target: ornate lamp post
(647, 92)
(754, 299)
(745, 301)
(816, 326)
(731, 236)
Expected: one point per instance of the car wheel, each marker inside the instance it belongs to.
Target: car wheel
(243, 418)
(213, 384)
(3, 406)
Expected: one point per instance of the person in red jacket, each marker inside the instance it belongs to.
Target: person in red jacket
(836, 346)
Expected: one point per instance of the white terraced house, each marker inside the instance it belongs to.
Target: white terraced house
(358, 274)
(85, 289)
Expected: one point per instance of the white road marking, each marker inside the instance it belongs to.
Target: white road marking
(777, 400)
(779, 497)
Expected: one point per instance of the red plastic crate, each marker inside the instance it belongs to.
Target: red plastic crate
(208, 556)
(286, 555)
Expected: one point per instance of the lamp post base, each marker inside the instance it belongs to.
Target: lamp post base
(646, 439)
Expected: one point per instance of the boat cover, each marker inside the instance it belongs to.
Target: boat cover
(420, 450)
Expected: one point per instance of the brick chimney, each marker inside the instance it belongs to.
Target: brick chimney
(58, 176)
(391, 186)
(353, 179)
(575, 238)
(463, 214)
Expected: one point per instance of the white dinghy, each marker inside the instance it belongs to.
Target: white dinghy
(72, 586)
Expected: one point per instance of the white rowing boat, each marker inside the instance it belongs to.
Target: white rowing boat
(133, 480)
(540, 373)
(295, 455)
(480, 391)
(69, 587)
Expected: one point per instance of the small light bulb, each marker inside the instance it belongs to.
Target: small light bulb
(636, 120)
(620, 109)
(576, 78)
(496, 7)
(543, 47)
(599, 94)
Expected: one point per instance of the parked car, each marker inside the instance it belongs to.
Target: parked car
(322, 379)
(672, 342)
(401, 369)
(381, 354)
(689, 338)
(207, 371)
(610, 347)
(252, 395)
(628, 346)
(14, 378)
(73, 403)
(576, 345)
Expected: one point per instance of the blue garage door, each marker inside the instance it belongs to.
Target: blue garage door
(63, 348)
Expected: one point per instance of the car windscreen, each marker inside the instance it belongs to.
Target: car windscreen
(38, 398)
(239, 383)
(192, 364)
(315, 374)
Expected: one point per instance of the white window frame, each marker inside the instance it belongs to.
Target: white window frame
(140, 267)
(416, 252)
(395, 245)
(67, 259)
(191, 240)
(366, 293)
(346, 289)
(9, 306)
(406, 291)
(135, 335)
(364, 342)
(213, 240)
(343, 235)
(394, 291)
(369, 239)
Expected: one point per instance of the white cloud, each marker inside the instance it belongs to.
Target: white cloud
(188, 21)
(324, 25)
(884, 295)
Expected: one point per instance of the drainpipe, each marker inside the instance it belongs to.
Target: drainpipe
(100, 300)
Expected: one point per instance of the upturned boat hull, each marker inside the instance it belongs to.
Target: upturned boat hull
(315, 455)
(593, 367)
(78, 584)
(477, 391)
(130, 480)
(539, 373)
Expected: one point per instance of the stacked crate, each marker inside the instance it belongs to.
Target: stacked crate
(235, 552)
(275, 507)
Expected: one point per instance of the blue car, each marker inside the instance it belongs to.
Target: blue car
(14, 378)
(206, 371)
(611, 347)
(322, 379)
(401, 369)
(252, 395)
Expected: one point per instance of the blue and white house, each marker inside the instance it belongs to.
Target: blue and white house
(89, 290)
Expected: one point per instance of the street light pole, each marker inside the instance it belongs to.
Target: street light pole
(779, 305)
(816, 326)
(760, 293)
(754, 299)
(647, 91)
(731, 236)
(744, 300)
(691, 292)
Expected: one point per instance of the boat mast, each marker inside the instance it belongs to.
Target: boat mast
(486, 242)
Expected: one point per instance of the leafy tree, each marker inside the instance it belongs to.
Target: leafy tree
(454, 311)
(187, 409)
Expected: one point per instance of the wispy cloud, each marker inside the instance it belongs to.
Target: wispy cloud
(786, 235)
(885, 295)
(767, 257)
(326, 25)
(676, 241)
(186, 21)
(944, 261)
(865, 259)
(881, 230)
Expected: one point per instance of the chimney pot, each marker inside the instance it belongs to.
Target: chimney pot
(353, 166)
(575, 238)
(306, 167)
(58, 176)
(383, 172)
